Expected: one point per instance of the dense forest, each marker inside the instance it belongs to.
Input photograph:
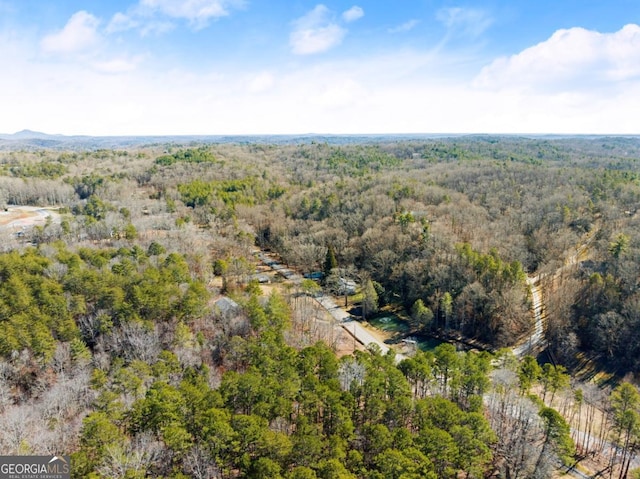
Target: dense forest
(114, 347)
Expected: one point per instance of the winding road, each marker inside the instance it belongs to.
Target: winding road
(535, 342)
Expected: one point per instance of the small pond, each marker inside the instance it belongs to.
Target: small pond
(427, 343)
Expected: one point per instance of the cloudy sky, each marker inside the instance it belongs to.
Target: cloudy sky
(127, 67)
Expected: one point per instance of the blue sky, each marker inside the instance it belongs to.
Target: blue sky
(258, 67)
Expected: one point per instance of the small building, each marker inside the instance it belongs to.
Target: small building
(227, 306)
(315, 275)
(346, 286)
(261, 278)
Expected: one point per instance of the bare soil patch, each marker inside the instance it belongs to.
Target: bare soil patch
(18, 217)
(8, 217)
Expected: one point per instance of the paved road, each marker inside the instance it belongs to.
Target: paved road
(363, 336)
(353, 327)
(348, 323)
(333, 309)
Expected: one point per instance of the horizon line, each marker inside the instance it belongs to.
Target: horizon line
(32, 134)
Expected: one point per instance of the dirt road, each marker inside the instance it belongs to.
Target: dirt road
(18, 218)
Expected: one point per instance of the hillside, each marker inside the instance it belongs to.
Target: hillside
(117, 349)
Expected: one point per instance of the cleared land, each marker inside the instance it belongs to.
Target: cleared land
(22, 217)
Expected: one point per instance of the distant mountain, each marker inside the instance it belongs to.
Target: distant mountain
(30, 139)
(30, 135)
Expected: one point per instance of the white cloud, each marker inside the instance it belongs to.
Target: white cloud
(405, 27)
(81, 43)
(328, 98)
(337, 93)
(317, 40)
(136, 18)
(353, 14)
(121, 22)
(261, 82)
(117, 65)
(140, 19)
(157, 16)
(78, 35)
(401, 92)
(570, 60)
(315, 32)
(198, 12)
(465, 21)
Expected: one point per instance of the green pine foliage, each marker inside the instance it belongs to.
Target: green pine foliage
(45, 169)
(191, 155)
(43, 299)
(227, 193)
(327, 425)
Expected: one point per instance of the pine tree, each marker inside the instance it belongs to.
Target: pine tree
(330, 261)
